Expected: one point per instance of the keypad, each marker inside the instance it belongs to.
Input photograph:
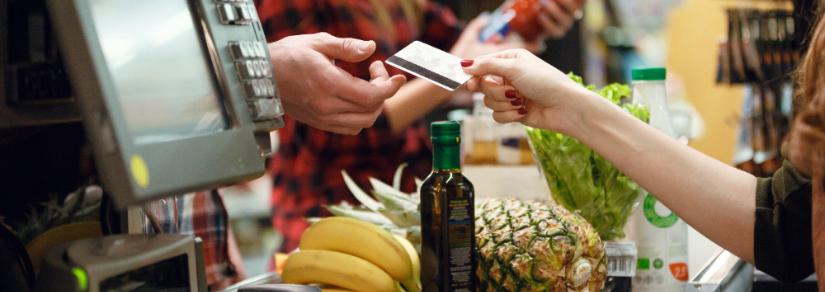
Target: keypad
(236, 12)
(265, 109)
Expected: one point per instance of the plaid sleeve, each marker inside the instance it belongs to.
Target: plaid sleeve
(281, 19)
(200, 214)
(441, 27)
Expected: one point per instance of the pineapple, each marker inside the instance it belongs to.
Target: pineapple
(532, 246)
(520, 246)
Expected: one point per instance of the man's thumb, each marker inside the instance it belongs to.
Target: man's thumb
(345, 49)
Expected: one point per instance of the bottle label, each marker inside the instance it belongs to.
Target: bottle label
(621, 258)
(649, 209)
(460, 228)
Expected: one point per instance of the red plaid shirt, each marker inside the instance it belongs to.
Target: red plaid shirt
(200, 214)
(307, 167)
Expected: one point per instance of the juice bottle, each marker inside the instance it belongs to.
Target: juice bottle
(660, 236)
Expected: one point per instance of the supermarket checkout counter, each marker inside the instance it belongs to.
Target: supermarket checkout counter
(174, 96)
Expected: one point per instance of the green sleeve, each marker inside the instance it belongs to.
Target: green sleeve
(782, 232)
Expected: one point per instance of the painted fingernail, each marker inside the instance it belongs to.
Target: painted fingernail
(466, 63)
(516, 102)
(511, 94)
(522, 111)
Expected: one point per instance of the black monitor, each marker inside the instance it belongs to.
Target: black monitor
(175, 95)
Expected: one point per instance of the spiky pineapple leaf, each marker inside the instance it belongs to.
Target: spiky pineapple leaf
(392, 198)
(402, 219)
(396, 178)
(367, 216)
(360, 195)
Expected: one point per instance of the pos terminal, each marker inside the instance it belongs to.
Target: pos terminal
(174, 96)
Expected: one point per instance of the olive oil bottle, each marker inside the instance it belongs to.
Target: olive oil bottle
(447, 221)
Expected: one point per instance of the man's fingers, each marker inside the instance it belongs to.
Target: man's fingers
(333, 105)
(378, 71)
(346, 49)
(353, 120)
(366, 93)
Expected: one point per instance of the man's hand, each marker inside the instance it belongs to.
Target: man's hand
(316, 92)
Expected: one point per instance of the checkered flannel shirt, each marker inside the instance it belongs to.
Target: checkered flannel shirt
(307, 167)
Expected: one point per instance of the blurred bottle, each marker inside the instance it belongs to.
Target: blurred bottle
(515, 15)
(660, 236)
(481, 134)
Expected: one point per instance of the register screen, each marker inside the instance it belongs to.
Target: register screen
(165, 85)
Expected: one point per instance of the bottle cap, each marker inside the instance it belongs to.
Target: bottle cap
(445, 132)
(649, 74)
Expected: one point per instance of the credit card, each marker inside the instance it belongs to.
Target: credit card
(434, 65)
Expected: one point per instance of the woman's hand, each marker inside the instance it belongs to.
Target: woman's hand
(520, 87)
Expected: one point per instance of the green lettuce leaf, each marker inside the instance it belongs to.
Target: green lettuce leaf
(580, 179)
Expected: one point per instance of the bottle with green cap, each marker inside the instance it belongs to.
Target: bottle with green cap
(447, 219)
(649, 90)
(660, 236)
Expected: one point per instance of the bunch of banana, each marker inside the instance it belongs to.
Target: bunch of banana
(354, 255)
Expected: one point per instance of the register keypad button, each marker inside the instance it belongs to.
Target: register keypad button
(245, 70)
(244, 16)
(260, 50)
(237, 50)
(227, 13)
(265, 109)
(269, 87)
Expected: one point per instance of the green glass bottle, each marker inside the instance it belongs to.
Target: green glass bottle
(447, 219)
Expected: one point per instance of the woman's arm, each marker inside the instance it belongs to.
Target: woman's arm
(716, 199)
(414, 100)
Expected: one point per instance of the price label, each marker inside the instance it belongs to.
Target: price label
(621, 258)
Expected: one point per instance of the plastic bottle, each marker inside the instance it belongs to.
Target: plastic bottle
(660, 236)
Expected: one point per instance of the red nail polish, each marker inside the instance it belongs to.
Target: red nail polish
(516, 102)
(522, 111)
(511, 94)
(466, 63)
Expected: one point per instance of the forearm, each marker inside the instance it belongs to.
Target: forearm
(412, 102)
(716, 199)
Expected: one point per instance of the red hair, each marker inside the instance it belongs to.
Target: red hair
(809, 135)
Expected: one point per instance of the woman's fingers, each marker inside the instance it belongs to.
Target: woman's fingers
(501, 106)
(509, 116)
(489, 64)
(498, 91)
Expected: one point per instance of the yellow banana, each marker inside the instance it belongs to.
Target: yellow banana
(361, 239)
(335, 290)
(336, 269)
(412, 284)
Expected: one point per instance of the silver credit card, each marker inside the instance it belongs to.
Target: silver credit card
(427, 62)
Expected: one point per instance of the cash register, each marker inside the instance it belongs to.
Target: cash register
(174, 96)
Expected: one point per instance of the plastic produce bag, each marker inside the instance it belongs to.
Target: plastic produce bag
(583, 181)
